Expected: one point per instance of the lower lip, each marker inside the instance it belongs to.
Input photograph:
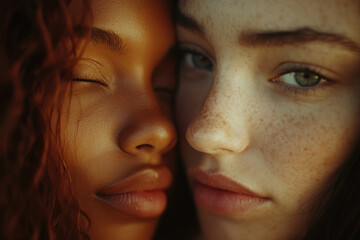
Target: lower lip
(224, 202)
(143, 204)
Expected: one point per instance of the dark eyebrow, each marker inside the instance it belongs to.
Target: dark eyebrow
(188, 22)
(302, 35)
(275, 38)
(103, 37)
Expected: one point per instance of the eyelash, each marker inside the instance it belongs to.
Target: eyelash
(184, 50)
(89, 80)
(301, 90)
(299, 68)
(168, 91)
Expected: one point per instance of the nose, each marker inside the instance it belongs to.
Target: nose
(147, 133)
(221, 127)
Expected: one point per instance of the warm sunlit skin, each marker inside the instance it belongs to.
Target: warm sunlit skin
(117, 124)
(246, 124)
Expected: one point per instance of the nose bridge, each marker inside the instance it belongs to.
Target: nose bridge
(147, 130)
(222, 123)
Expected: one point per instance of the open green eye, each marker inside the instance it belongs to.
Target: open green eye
(200, 61)
(305, 79)
(197, 60)
(301, 79)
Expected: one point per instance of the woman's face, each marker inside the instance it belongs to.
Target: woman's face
(268, 108)
(116, 126)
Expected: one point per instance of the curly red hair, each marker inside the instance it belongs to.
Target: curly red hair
(37, 54)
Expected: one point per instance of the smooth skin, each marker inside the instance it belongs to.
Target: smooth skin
(268, 97)
(118, 117)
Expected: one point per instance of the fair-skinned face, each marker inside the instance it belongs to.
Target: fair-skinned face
(116, 127)
(268, 109)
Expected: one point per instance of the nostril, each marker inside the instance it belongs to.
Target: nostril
(146, 135)
(145, 147)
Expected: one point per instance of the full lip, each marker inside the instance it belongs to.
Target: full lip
(219, 181)
(141, 194)
(148, 178)
(221, 195)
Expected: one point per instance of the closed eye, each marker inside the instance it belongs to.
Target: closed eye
(89, 81)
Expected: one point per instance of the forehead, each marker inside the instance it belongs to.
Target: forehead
(138, 23)
(336, 16)
(131, 15)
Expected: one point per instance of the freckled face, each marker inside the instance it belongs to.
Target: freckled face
(271, 112)
(116, 125)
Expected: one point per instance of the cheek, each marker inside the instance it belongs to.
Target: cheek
(83, 134)
(83, 125)
(302, 148)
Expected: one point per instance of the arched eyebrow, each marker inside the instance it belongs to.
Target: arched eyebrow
(254, 38)
(103, 37)
(298, 36)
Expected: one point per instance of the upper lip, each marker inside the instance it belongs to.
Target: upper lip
(220, 181)
(143, 179)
